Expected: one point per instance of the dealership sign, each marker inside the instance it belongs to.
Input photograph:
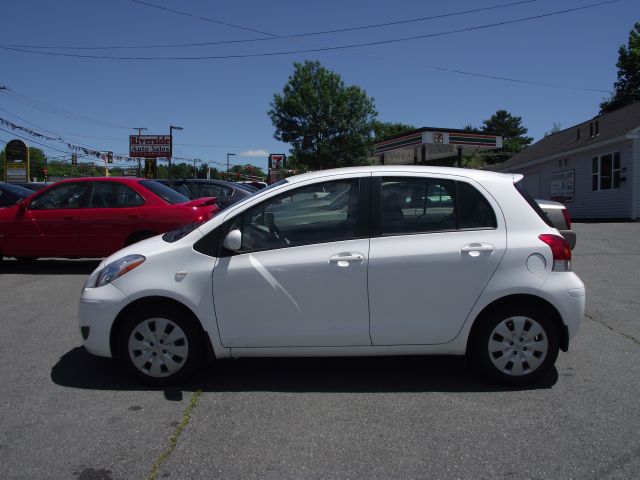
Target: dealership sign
(16, 164)
(150, 146)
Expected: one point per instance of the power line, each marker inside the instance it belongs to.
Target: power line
(313, 50)
(270, 36)
(45, 107)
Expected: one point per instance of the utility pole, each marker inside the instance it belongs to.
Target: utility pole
(140, 129)
(228, 154)
(171, 129)
(194, 167)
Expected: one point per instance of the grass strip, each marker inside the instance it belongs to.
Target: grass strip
(175, 436)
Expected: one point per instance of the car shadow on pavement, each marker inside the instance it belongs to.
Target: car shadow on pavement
(78, 369)
(49, 266)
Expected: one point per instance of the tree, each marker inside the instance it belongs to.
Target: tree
(385, 130)
(627, 87)
(512, 131)
(555, 129)
(327, 123)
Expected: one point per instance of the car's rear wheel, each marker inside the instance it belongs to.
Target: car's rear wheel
(515, 345)
(160, 344)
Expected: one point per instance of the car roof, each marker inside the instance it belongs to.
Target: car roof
(131, 180)
(478, 175)
(17, 189)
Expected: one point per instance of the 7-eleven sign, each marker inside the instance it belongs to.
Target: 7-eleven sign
(277, 161)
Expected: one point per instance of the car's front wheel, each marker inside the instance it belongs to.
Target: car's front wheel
(515, 345)
(160, 344)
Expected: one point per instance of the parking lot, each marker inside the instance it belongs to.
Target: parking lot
(66, 414)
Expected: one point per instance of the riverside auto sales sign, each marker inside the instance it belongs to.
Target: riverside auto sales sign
(150, 146)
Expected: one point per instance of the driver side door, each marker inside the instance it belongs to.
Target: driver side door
(48, 226)
(300, 276)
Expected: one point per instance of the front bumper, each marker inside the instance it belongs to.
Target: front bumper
(97, 311)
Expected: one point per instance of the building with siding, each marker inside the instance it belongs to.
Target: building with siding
(593, 167)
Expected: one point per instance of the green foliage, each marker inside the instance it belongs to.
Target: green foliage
(555, 129)
(327, 123)
(512, 131)
(385, 130)
(627, 87)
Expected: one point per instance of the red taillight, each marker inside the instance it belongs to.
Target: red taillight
(561, 251)
(567, 218)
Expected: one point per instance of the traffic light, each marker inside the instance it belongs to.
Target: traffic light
(46, 173)
(74, 159)
(109, 157)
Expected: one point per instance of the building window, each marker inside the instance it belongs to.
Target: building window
(591, 129)
(605, 172)
(578, 134)
(597, 127)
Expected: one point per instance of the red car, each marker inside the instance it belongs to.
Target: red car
(94, 217)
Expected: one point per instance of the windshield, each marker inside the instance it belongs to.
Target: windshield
(167, 194)
(16, 189)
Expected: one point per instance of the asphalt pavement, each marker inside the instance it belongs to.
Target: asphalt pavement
(65, 414)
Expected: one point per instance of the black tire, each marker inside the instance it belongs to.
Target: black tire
(26, 260)
(529, 331)
(160, 363)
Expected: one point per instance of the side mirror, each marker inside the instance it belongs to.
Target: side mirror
(233, 240)
(22, 206)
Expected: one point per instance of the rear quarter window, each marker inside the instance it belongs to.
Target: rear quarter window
(533, 204)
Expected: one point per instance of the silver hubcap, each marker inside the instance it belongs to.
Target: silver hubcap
(518, 345)
(158, 347)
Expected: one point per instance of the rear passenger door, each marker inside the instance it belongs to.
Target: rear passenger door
(112, 215)
(436, 243)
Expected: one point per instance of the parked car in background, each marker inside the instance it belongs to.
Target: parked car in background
(226, 193)
(395, 260)
(94, 217)
(254, 183)
(34, 186)
(560, 218)
(10, 194)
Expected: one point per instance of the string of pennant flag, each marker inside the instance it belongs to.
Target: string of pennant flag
(89, 152)
(76, 148)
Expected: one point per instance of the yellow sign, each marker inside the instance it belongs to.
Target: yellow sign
(16, 162)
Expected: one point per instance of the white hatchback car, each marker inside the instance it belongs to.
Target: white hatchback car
(392, 260)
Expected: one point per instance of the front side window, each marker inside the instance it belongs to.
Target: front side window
(65, 196)
(605, 172)
(319, 213)
(420, 205)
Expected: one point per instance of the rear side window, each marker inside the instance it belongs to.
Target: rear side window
(532, 203)
(114, 195)
(204, 190)
(420, 205)
(167, 194)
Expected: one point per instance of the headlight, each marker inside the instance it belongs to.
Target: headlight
(118, 268)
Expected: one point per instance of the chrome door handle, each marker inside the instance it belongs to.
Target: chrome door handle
(477, 248)
(346, 257)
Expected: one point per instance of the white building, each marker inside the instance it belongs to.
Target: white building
(593, 167)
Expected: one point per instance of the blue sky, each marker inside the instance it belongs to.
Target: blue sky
(222, 103)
